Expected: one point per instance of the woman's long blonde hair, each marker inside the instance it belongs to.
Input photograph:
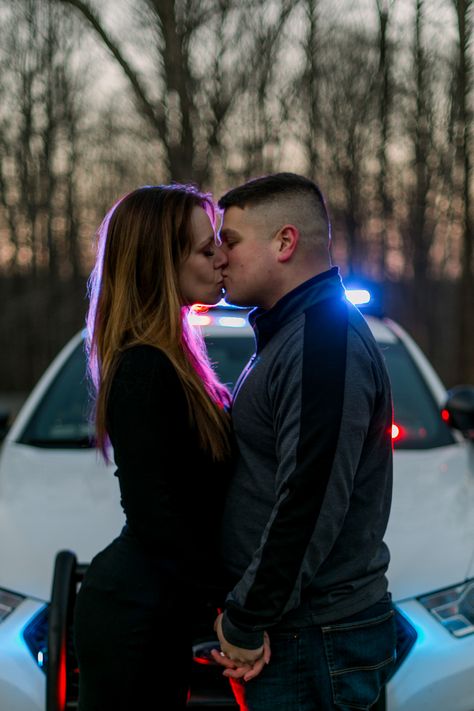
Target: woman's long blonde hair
(135, 299)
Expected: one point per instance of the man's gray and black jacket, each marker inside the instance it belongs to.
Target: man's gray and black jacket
(310, 496)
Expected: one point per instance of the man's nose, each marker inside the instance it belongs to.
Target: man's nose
(220, 259)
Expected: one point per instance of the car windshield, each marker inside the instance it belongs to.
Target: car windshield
(417, 418)
(62, 417)
(229, 356)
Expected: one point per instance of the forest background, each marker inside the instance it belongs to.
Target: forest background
(371, 99)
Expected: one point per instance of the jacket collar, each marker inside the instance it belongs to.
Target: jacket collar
(265, 323)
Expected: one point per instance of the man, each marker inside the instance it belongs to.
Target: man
(309, 500)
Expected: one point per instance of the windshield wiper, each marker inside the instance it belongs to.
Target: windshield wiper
(63, 443)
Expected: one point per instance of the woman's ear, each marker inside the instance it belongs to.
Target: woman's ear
(287, 239)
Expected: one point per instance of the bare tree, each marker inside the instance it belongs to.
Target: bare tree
(218, 90)
(38, 129)
(422, 143)
(464, 9)
(385, 101)
(177, 29)
(347, 115)
(421, 175)
(259, 122)
(310, 86)
(40, 120)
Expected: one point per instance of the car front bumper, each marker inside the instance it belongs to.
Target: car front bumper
(22, 683)
(438, 672)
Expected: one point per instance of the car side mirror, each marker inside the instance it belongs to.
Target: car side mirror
(4, 424)
(460, 406)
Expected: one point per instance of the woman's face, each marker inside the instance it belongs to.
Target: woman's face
(200, 275)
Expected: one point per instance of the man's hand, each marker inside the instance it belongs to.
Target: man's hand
(239, 662)
(236, 654)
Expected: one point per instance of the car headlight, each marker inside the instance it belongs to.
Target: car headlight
(8, 602)
(453, 608)
(35, 635)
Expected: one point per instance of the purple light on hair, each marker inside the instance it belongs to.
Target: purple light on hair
(191, 340)
(93, 289)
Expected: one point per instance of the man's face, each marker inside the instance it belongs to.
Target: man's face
(249, 276)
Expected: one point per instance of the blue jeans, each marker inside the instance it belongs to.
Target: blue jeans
(341, 666)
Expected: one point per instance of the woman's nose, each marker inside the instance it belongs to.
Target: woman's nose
(220, 258)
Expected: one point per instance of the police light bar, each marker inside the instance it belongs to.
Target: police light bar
(358, 297)
(203, 315)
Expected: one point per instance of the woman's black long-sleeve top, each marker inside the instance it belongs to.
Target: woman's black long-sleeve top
(171, 490)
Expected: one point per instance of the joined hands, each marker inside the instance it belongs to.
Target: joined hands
(240, 663)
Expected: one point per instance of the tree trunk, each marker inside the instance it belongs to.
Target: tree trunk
(383, 10)
(312, 79)
(465, 68)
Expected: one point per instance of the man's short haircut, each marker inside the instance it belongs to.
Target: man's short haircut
(297, 199)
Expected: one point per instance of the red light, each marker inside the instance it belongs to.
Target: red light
(200, 308)
(445, 415)
(204, 660)
(61, 689)
(397, 432)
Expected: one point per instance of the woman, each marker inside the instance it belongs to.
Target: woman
(161, 406)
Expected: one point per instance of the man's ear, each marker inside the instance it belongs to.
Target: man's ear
(287, 239)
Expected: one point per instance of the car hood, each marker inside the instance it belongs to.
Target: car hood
(431, 528)
(52, 500)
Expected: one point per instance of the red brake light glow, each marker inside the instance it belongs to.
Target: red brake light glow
(397, 432)
(199, 308)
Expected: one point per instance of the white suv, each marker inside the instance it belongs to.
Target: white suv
(56, 494)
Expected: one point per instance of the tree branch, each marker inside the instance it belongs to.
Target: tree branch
(146, 106)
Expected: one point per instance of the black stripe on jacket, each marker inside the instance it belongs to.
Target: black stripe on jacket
(322, 400)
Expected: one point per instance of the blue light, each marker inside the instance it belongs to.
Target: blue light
(35, 635)
(358, 297)
(225, 305)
